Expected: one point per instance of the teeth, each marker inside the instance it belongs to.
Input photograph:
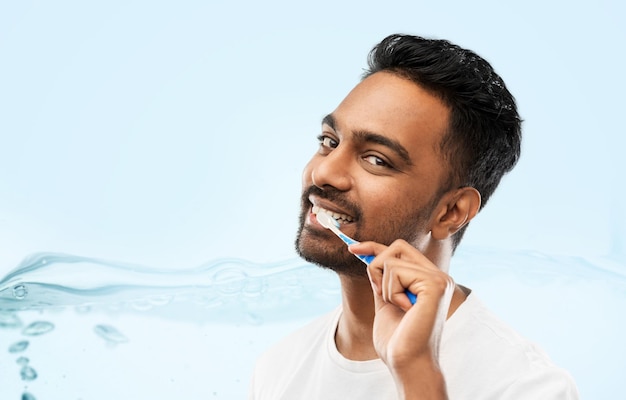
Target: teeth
(341, 218)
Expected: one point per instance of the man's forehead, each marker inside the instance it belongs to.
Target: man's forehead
(388, 98)
(392, 106)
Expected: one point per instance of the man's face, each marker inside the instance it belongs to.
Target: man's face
(379, 168)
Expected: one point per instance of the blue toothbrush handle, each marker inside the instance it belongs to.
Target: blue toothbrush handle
(411, 296)
(369, 258)
(366, 259)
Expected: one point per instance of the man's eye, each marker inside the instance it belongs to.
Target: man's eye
(374, 160)
(327, 141)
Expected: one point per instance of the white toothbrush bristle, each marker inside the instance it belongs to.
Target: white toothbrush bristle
(326, 220)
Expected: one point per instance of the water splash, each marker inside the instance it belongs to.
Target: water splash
(110, 334)
(19, 346)
(532, 286)
(233, 289)
(28, 396)
(22, 361)
(38, 328)
(28, 373)
(20, 292)
(222, 290)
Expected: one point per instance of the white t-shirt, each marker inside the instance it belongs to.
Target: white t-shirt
(481, 359)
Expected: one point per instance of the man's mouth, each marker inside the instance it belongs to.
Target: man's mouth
(341, 218)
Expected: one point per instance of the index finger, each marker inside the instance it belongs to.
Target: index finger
(367, 248)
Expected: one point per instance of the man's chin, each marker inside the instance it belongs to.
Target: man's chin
(310, 247)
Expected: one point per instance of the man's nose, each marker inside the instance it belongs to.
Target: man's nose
(333, 170)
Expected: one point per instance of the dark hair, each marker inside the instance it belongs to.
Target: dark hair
(484, 137)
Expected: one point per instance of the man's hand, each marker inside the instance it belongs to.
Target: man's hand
(406, 337)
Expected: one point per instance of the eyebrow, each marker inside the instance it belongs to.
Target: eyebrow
(371, 137)
(329, 120)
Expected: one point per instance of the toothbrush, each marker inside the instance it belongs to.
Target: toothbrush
(329, 222)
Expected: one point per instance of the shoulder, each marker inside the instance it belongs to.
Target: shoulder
(296, 351)
(501, 360)
(303, 339)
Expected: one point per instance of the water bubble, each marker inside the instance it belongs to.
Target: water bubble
(230, 281)
(28, 396)
(23, 361)
(110, 334)
(254, 288)
(18, 347)
(9, 320)
(28, 373)
(141, 305)
(293, 288)
(20, 292)
(38, 328)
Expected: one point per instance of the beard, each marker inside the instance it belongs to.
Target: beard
(326, 250)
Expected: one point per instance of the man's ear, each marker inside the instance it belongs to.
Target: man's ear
(455, 210)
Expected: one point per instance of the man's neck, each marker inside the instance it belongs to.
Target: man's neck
(354, 330)
(353, 336)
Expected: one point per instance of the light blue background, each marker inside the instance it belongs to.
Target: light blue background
(172, 133)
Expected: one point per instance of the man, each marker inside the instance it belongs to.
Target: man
(405, 162)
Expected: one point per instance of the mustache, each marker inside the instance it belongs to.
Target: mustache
(333, 195)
